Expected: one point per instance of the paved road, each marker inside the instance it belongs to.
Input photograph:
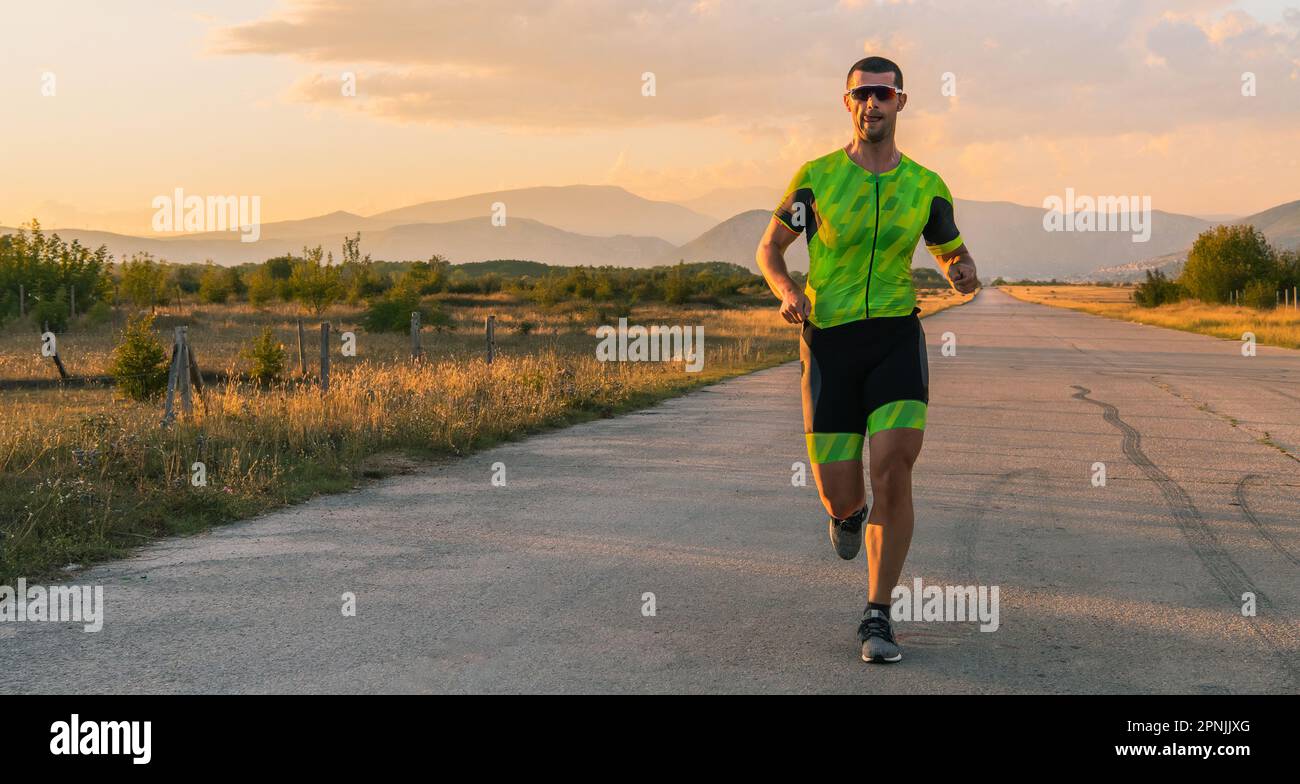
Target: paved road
(537, 586)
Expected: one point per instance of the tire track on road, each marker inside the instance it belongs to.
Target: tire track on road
(1283, 394)
(1260, 528)
(1232, 579)
(961, 548)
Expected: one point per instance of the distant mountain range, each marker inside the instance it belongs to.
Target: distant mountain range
(597, 210)
(594, 225)
(1280, 225)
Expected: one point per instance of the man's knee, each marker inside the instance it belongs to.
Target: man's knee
(842, 504)
(892, 471)
(841, 487)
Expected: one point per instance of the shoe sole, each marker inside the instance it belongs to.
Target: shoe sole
(881, 659)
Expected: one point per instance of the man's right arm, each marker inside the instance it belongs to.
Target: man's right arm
(770, 258)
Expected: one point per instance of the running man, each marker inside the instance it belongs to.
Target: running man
(863, 208)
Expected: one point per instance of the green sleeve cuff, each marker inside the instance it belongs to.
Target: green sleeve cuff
(782, 221)
(947, 247)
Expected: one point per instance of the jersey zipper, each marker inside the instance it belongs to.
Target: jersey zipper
(875, 234)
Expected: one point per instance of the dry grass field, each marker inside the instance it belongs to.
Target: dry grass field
(1280, 327)
(85, 474)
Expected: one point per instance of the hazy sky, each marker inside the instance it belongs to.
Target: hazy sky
(244, 97)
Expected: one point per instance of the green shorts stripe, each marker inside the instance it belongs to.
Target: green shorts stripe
(900, 413)
(829, 447)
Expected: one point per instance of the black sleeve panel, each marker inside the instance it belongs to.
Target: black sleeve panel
(941, 228)
(796, 212)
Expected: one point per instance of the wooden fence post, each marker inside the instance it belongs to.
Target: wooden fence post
(324, 357)
(302, 353)
(173, 375)
(58, 363)
(415, 335)
(490, 330)
(196, 378)
(183, 373)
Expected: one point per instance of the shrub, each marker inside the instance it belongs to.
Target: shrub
(393, 314)
(144, 281)
(315, 284)
(1261, 294)
(1225, 259)
(266, 355)
(261, 287)
(140, 363)
(1157, 290)
(676, 288)
(52, 311)
(215, 285)
(100, 313)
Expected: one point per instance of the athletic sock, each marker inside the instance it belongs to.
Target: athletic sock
(884, 608)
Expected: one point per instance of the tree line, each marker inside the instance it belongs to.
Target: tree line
(49, 274)
(49, 270)
(1227, 264)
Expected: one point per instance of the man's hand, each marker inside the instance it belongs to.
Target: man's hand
(794, 306)
(962, 275)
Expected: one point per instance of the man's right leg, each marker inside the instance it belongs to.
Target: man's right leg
(842, 487)
(835, 426)
(844, 495)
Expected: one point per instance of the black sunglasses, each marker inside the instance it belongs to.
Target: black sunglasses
(881, 92)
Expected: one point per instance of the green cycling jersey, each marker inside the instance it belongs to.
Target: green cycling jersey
(862, 229)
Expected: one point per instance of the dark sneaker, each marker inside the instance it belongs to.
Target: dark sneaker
(878, 638)
(846, 534)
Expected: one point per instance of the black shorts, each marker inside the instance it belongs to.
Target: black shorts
(862, 377)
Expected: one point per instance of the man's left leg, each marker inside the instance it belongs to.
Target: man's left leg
(889, 524)
(888, 535)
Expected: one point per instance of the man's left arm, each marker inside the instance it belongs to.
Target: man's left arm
(944, 241)
(959, 268)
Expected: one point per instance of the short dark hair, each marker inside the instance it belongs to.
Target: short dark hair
(876, 65)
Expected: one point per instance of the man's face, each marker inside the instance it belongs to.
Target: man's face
(873, 119)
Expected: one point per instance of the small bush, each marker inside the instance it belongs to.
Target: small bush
(1157, 290)
(214, 285)
(140, 363)
(52, 311)
(1261, 294)
(261, 287)
(100, 313)
(266, 355)
(525, 327)
(393, 314)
